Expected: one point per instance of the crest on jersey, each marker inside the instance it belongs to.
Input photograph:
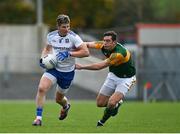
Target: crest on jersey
(66, 40)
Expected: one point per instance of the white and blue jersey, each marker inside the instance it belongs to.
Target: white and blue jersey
(67, 43)
(64, 72)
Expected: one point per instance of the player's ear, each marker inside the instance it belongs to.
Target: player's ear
(114, 42)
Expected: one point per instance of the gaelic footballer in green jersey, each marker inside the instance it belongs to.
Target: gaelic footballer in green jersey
(120, 60)
(121, 76)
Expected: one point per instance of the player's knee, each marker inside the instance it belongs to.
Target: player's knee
(41, 89)
(58, 99)
(111, 103)
(100, 103)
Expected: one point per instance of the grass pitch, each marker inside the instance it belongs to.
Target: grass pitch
(133, 117)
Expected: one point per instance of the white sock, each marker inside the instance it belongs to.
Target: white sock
(39, 117)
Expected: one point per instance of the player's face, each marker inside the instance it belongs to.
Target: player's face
(63, 29)
(108, 42)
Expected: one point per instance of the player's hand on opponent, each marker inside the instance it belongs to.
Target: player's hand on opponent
(41, 64)
(63, 55)
(78, 66)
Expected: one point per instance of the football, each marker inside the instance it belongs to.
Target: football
(49, 61)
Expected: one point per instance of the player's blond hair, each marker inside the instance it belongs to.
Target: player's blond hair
(62, 19)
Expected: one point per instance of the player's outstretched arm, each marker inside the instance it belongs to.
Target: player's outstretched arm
(95, 44)
(94, 66)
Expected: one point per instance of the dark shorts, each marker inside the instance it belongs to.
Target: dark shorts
(64, 79)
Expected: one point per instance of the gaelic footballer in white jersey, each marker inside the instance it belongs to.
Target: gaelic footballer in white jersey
(66, 43)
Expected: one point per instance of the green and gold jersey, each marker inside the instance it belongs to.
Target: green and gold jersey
(120, 60)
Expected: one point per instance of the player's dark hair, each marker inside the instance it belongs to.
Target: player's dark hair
(62, 19)
(112, 34)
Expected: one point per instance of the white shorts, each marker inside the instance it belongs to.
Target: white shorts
(115, 84)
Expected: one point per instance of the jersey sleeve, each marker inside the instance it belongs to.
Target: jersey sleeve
(77, 41)
(48, 40)
(98, 44)
(118, 58)
(50, 36)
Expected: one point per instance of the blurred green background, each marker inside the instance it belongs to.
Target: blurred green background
(88, 14)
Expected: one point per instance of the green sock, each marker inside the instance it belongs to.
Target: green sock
(107, 115)
(115, 110)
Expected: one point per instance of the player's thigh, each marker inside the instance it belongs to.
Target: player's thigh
(125, 84)
(105, 92)
(45, 84)
(108, 87)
